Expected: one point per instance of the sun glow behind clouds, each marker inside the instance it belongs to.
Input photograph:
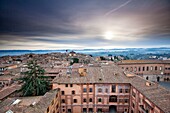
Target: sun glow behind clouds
(108, 35)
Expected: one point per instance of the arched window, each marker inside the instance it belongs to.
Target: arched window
(99, 90)
(135, 69)
(99, 100)
(90, 100)
(155, 67)
(139, 69)
(147, 68)
(62, 92)
(63, 101)
(84, 100)
(75, 100)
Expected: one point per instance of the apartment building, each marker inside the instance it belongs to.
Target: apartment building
(108, 88)
(154, 70)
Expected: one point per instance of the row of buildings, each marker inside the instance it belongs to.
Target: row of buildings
(153, 70)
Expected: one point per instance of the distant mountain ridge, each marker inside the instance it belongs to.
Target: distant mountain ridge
(94, 52)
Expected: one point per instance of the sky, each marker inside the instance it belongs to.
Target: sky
(84, 24)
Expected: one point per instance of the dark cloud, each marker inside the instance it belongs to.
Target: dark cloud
(83, 23)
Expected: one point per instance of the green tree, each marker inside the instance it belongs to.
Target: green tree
(102, 58)
(35, 83)
(74, 60)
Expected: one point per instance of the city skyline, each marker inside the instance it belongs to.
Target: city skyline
(86, 24)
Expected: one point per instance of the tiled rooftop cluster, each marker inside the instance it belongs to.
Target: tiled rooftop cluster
(33, 104)
(57, 67)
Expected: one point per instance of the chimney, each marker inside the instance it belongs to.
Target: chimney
(82, 71)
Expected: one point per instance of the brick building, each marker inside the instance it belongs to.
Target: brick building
(109, 89)
(154, 70)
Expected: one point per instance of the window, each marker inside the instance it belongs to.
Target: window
(69, 110)
(100, 90)
(75, 100)
(63, 101)
(84, 90)
(99, 110)
(121, 100)
(66, 85)
(113, 98)
(126, 109)
(155, 67)
(84, 100)
(126, 100)
(71, 85)
(90, 90)
(106, 90)
(90, 109)
(143, 68)
(139, 69)
(113, 88)
(135, 69)
(127, 69)
(73, 92)
(99, 100)
(147, 68)
(120, 90)
(62, 92)
(84, 110)
(90, 100)
(126, 90)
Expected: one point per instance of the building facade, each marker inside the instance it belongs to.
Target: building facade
(109, 89)
(154, 70)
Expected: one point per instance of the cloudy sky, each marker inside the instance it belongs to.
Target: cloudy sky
(82, 24)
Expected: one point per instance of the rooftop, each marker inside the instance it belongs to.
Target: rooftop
(9, 90)
(43, 104)
(104, 74)
(33, 104)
